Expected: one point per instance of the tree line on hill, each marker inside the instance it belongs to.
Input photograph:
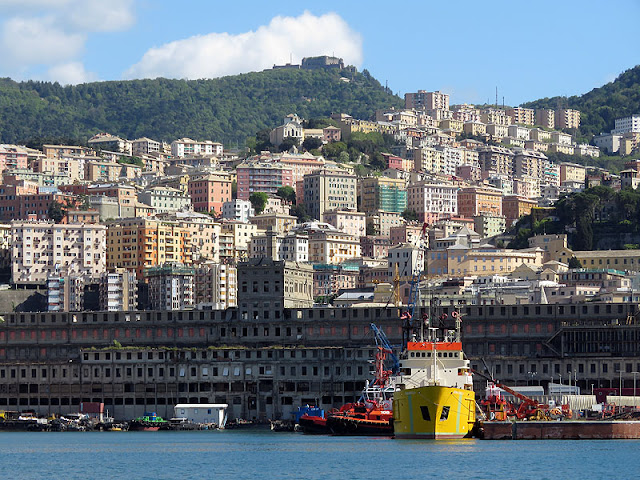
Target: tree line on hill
(227, 109)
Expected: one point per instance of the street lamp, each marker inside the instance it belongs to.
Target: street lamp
(634, 388)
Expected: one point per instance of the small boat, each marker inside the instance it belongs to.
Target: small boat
(149, 422)
(313, 424)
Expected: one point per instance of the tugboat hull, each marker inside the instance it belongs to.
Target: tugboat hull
(433, 412)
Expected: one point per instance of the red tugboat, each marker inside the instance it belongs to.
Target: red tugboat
(372, 414)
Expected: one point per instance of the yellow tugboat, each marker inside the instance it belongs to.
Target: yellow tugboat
(434, 396)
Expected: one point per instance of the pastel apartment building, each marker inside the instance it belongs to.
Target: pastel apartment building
(347, 221)
(186, 146)
(521, 115)
(382, 193)
(474, 201)
(423, 100)
(138, 243)
(567, 118)
(209, 193)
(165, 199)
(119, 291)
(262, 177)
(433, 201)
(171, 286)
(40, 249)
(329, 189)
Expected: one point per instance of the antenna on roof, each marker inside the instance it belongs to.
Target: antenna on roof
(496, 97)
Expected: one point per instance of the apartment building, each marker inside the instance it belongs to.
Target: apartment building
(567, 118)
(96, 171)
(262, 177)
(432, 201)
(546, 118)
(474, 201)
(265, 287)
(515, 206)
(521, 115)
(171, 286)
(41, 249)
(167, 199)
(373, 246)
(209, 193)
(65, 293)
(119, 291)
(241, 234)
(216, 286)
(332, 247)
(329, 189)
(146, 146)
(290, 246)
(572, 172)
(495, 160)
(382, 193)
(111, 143)
(489, 225)
(186, 146)
(406, 259)
(278, 222)
(423, 100)
(236, 209)
(348, 221)
(139, 243)
(380, 223)
(529, 163)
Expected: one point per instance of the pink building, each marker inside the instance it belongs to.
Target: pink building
(209, 193)
(262, 177)
(12, 156)
(331, 134)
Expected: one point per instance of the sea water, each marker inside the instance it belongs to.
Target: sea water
(263, 454)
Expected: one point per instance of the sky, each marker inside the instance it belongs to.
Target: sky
(527, 50)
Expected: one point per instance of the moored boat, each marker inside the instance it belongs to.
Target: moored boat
(434, 395)
(149, 422)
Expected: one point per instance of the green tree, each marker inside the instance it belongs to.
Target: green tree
(574, 263)
(311, 143)
(300, 212)
(56, 211)
(287, 193)
(287, 143)
(409, 215)
(258, 201)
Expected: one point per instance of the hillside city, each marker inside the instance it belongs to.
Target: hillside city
(137, 274)
(122, 225)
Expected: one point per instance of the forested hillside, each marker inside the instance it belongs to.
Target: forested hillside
(227, 109)
(601, 106)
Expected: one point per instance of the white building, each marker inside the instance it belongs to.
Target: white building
(608, 142)
(119, 291)
(204, 412)
(432, 201)
(237, 209)
(408, 259)
(185, 146)
(216, 286)
(627, 125)
(293, 246)
(65, 293)
(40, 249)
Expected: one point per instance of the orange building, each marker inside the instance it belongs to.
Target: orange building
(137, 243)
(478, 200)
(209, 193)
(514, 207)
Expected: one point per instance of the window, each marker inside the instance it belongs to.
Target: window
(445, 413)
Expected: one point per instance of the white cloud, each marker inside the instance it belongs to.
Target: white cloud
(36, 35)
(101, 16)
(219, 54)
(35, 41)
(71, 73)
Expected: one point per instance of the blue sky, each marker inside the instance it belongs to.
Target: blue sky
(527, 50)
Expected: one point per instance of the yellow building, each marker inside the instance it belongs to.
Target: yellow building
(278, 222)
(241, 234)
(462, 260)
(332, 247)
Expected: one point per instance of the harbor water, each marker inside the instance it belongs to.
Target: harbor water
(249, 454)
